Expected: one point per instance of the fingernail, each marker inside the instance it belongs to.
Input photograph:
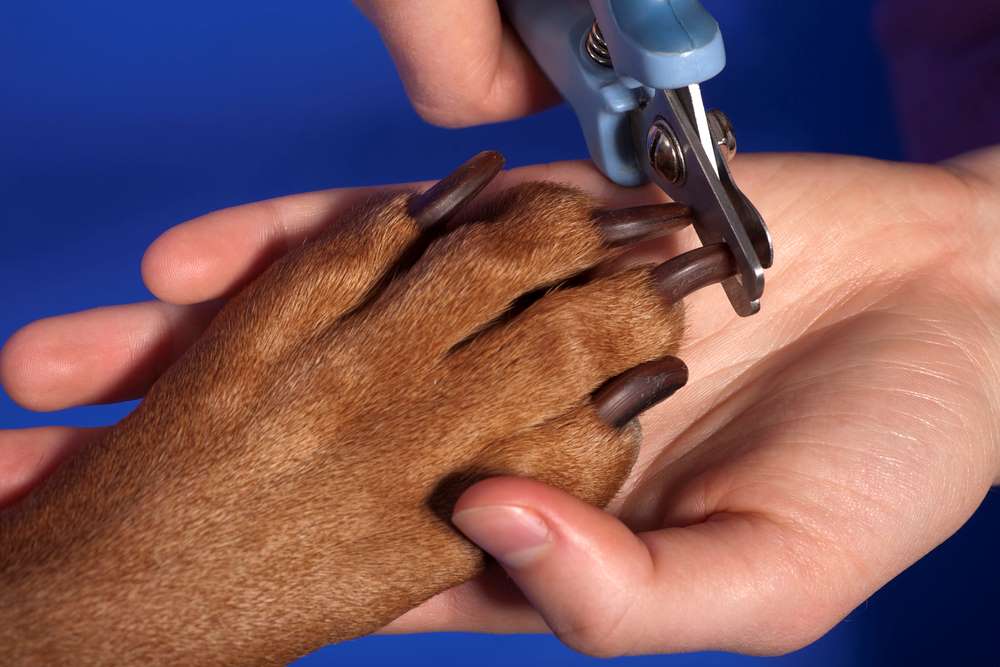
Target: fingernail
(515, 536)
(633, 392)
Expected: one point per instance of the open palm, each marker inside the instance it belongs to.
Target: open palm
(820, 448)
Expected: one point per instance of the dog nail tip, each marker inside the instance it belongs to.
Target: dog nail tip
(439, 203)
(634, 392)
(622, 226)
(685, 274)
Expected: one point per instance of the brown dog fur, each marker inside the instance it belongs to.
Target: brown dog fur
(286, 483)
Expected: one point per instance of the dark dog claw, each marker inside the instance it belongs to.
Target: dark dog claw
(625, 225)
(630, 394)
(444, 199)
(688, 273)
(625, 397)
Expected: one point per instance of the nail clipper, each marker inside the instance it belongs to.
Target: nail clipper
(631, 70)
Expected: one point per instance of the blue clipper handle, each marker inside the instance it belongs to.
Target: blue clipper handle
(653, 44)
(663, 44)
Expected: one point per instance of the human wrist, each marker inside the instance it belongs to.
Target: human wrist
(988, 288)
(987, 213)
(982, 271)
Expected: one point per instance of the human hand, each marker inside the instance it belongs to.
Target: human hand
(460, 63)
(820, 448)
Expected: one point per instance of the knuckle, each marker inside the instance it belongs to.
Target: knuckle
(625, 322)
(563, 327)
(549, 215)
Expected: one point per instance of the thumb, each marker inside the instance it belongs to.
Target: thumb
(736, 582)
(579, 566)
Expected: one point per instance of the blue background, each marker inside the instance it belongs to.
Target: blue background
(119, 119)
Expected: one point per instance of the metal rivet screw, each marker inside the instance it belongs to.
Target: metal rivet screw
(723, 133)
(665, 152)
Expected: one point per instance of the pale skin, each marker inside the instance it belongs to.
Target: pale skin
(819, 449)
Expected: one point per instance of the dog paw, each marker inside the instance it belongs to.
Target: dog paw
(301, 459)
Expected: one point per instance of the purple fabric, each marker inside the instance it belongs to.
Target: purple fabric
(944, 59)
